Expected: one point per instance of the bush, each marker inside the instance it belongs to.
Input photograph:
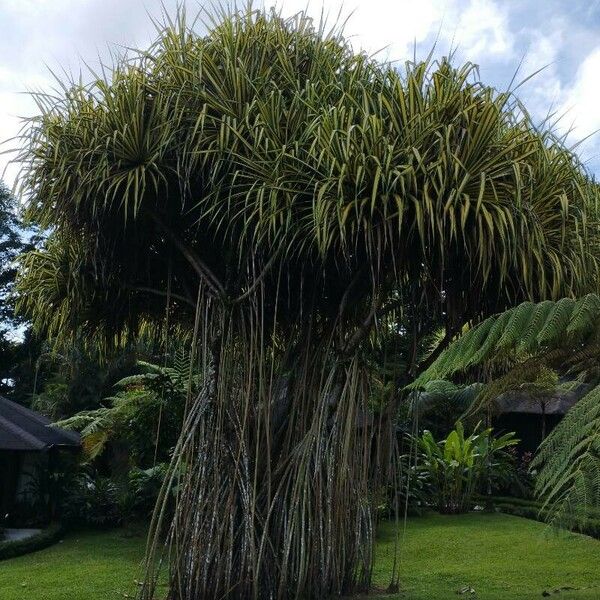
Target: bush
(143, 488)
(532, 509)
(522, 483)
(458, 467)
(409, 495)
(92, 502)
(47, 537)
(97, 501)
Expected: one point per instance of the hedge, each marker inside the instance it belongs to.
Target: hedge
(516, 501)
(532, 509)
(39, 541)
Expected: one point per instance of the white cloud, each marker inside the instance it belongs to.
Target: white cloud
(582, 99)
(581, 110)
(493, 33)
(544, 92)
(375, 25)
(474, 26)
(482, 30)
(59, 34)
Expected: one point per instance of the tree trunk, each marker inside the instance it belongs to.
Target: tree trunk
(276, 478)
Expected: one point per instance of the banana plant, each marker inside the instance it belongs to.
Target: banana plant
(458, 465)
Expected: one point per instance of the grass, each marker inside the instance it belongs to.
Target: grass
(499, 556)
(92, 565)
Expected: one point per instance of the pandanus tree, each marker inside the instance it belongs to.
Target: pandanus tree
(291, 202)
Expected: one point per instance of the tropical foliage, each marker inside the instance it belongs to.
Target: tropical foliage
(438, 407)
(14, 239)
(517, 346)
(459, 466)
(93, 500)
(292, 203)
(73, 378)
(145, 414)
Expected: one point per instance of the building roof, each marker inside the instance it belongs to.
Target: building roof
(27, 430)
(557, 403)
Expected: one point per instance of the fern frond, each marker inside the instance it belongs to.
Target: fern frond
(148, 367)
(94, 444)
(459, 396)
(182, 364)
(457, 355)
(139, 379)
(539, 316)
(585, 315)
(490, 343)
(440, 387)
(517, 324)
(557, 321)
(78, 422)
(519, 333)
(569, 463)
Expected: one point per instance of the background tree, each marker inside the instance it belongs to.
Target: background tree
(76, 377)
(15, 239)
(296, 206)
(144, 413)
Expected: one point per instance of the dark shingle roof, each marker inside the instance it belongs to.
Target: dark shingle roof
(24, 429)
(556, 403)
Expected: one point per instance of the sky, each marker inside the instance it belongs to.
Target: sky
(41, 37)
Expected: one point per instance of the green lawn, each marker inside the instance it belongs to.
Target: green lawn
(85, 566)
(501, 557)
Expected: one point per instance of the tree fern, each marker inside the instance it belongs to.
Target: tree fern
(539, 338)
(584, 318)
(521, 332)
(557, 322)
(493, 336)
(137, 398)
(569, 464)
(539, 315)
(451, 360)
(517, 324)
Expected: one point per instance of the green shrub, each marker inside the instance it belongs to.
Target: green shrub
(522, 484)
(533, 509)
(96, 501)
(458, 467)
(93, 501)
(143, 487)
(514, 501)
(408, 495)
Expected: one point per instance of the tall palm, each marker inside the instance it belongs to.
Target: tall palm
(291, 202)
